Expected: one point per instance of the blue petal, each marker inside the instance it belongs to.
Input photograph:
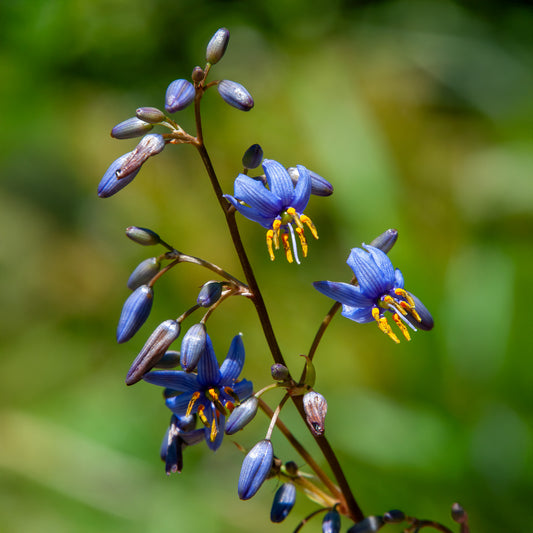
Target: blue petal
(361, 315)
(302, 191)
(279, 181)
(173, 379)
(110, 183)
(256, 195)
(221, 426)
(372, 280)
(383, 262)
(208, 370)
(343, 293)
(398, 279)
(284, 500)
(232, 365)
(178, 404)
(243, 389)
(250, 213)
(134, 313)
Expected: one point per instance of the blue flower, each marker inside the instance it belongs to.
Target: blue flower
(212, 393)
(380, 289)
(278, 207)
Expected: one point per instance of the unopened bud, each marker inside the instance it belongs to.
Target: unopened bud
(291, 468)
(331, 522)
(110, 183)
(426, 320)
(255, 469)
(319, 185)
(170, 359)
(279, 372)
(193, 346)
(150, 145)
(209, 293)
(252, 157)
(198, 74)
(150, 114)
(180, 93)
(134, 312)
(459, 515)
(369, 525)
(242, 415)
(143, 236)
(235, 95)
(133, 127)
(153, 350)
(386, 240)
(315, 407)
(144, 272)
(395, 516)
(284, 501)
(217, 46)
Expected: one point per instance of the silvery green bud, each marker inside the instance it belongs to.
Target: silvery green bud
(279, 372)
(150, 114)
(315, 407)
(369, 525)
(193, 346)
(128, 129)
(209, 293)
(144, 272)
(319, 185)
(180, 93)
(242, 415)
(171, 359)
(217, 46)
(252, 157)
(153, 350)
(235, 95)
(143, 236)
(386, 240)
(198, 74)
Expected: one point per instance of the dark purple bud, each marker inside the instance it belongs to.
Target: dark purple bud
(331, 522)
(150, 114)
(255, 469)
(193, 346)
(395, 516)
(217, 46)
(283, 503)
(369, 525)
(143, 236)
(252, 157)
(180, 93)
(149, 145)
(291, 468)
(386, 240)
(426, 320)
(279, 372)
(144, 272)
(209, 293)
(315, 407)
(235, 95)
(133, 127)
(153, 350)
(171, 452)
(319, 185)
(110, 184)
(134, 312)
(198, 74)
(170, 359)
(241, 415)
(459, 515)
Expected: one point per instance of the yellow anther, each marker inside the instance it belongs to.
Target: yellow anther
(270, 236)
(275, 226)
(406, 295)
(230, 392)
(286, 246)
(212, 394)
(307, 221)
(303, 242)
(192, 401)
(384, 325)
(202, 416)
(402, 326)
(292, 212)
(389, 300)
(214, 431)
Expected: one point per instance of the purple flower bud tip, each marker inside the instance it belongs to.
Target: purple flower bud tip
(217, 46)
(252, 157)
(283, 503)
(128, 129)
(134, 312)
(319, 185)
(242, 415)
(386, 240)
(331, 522)
(279, 372)
(209, 293)
(180, 93)
(193, 346)
(235, 95)
(255, 469)
(394, 516)
(110, 183)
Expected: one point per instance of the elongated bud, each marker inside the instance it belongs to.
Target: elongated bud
(153, 350)
(180, 93)
(252, 157)
(331, 522)
(133, 127)
(144, 272)
(134, 312)
(255, 469)
(150, 114)
(209, 293)
(143, 236)
(170, 359)
(386, 240)
(198, 74)
(150, 145)
(459, 515)
(193, 346)
(235, 95)
(110, 183)
(217, 46)
(369, 525)
(394, 517)
(315, 407)
(241, 415)
(319, 185)
(279, 372)
(283, 503)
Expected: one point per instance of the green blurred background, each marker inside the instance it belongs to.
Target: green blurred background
(419, 112)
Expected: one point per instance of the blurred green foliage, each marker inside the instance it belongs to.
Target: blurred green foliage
(420, 114)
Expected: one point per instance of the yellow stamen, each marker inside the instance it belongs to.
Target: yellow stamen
(384, 325)
(292, 212)
(202, 416)
(214, 431)
(391, 301)
(401, 325)
(270, 236)
(275, 226)
(406, 295)
(307, 221)
(303, 242)
(229, 391)
(192, 401)
(286, 246)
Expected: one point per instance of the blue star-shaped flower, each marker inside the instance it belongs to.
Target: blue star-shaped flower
(212, 393)
(277, 207)
(379, 289)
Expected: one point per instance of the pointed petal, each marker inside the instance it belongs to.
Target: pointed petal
(243, 389)
(221, 426)
(302, 191)
(373, 281)
(361, 315)
(250, 213)
(279, 181)
(208, 370)
(173, 379)
(178, 404)
(256, 195)
(383, 262)
(232, 365)
(343, 293)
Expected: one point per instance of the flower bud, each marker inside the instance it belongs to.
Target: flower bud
(180, 93)
(170, 359)
(393, 517)
(193, 346)
(459, 515)
(291, 468)
(386, 240)
(150, 114)
(241, 415)
(217, 46)
(134, 312)
(331, 522)
(143, 236)
(252, 157)
(369, 525)
(255, 469)
(198, 74)
(319, 185)
(111, 183)
(279, 372)
(283, 503)
(133, 127)
(153, 350)
(315, 407)
(235, 95)
(144, 272)
(149, 145)
(426, 320)
(209, 293)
